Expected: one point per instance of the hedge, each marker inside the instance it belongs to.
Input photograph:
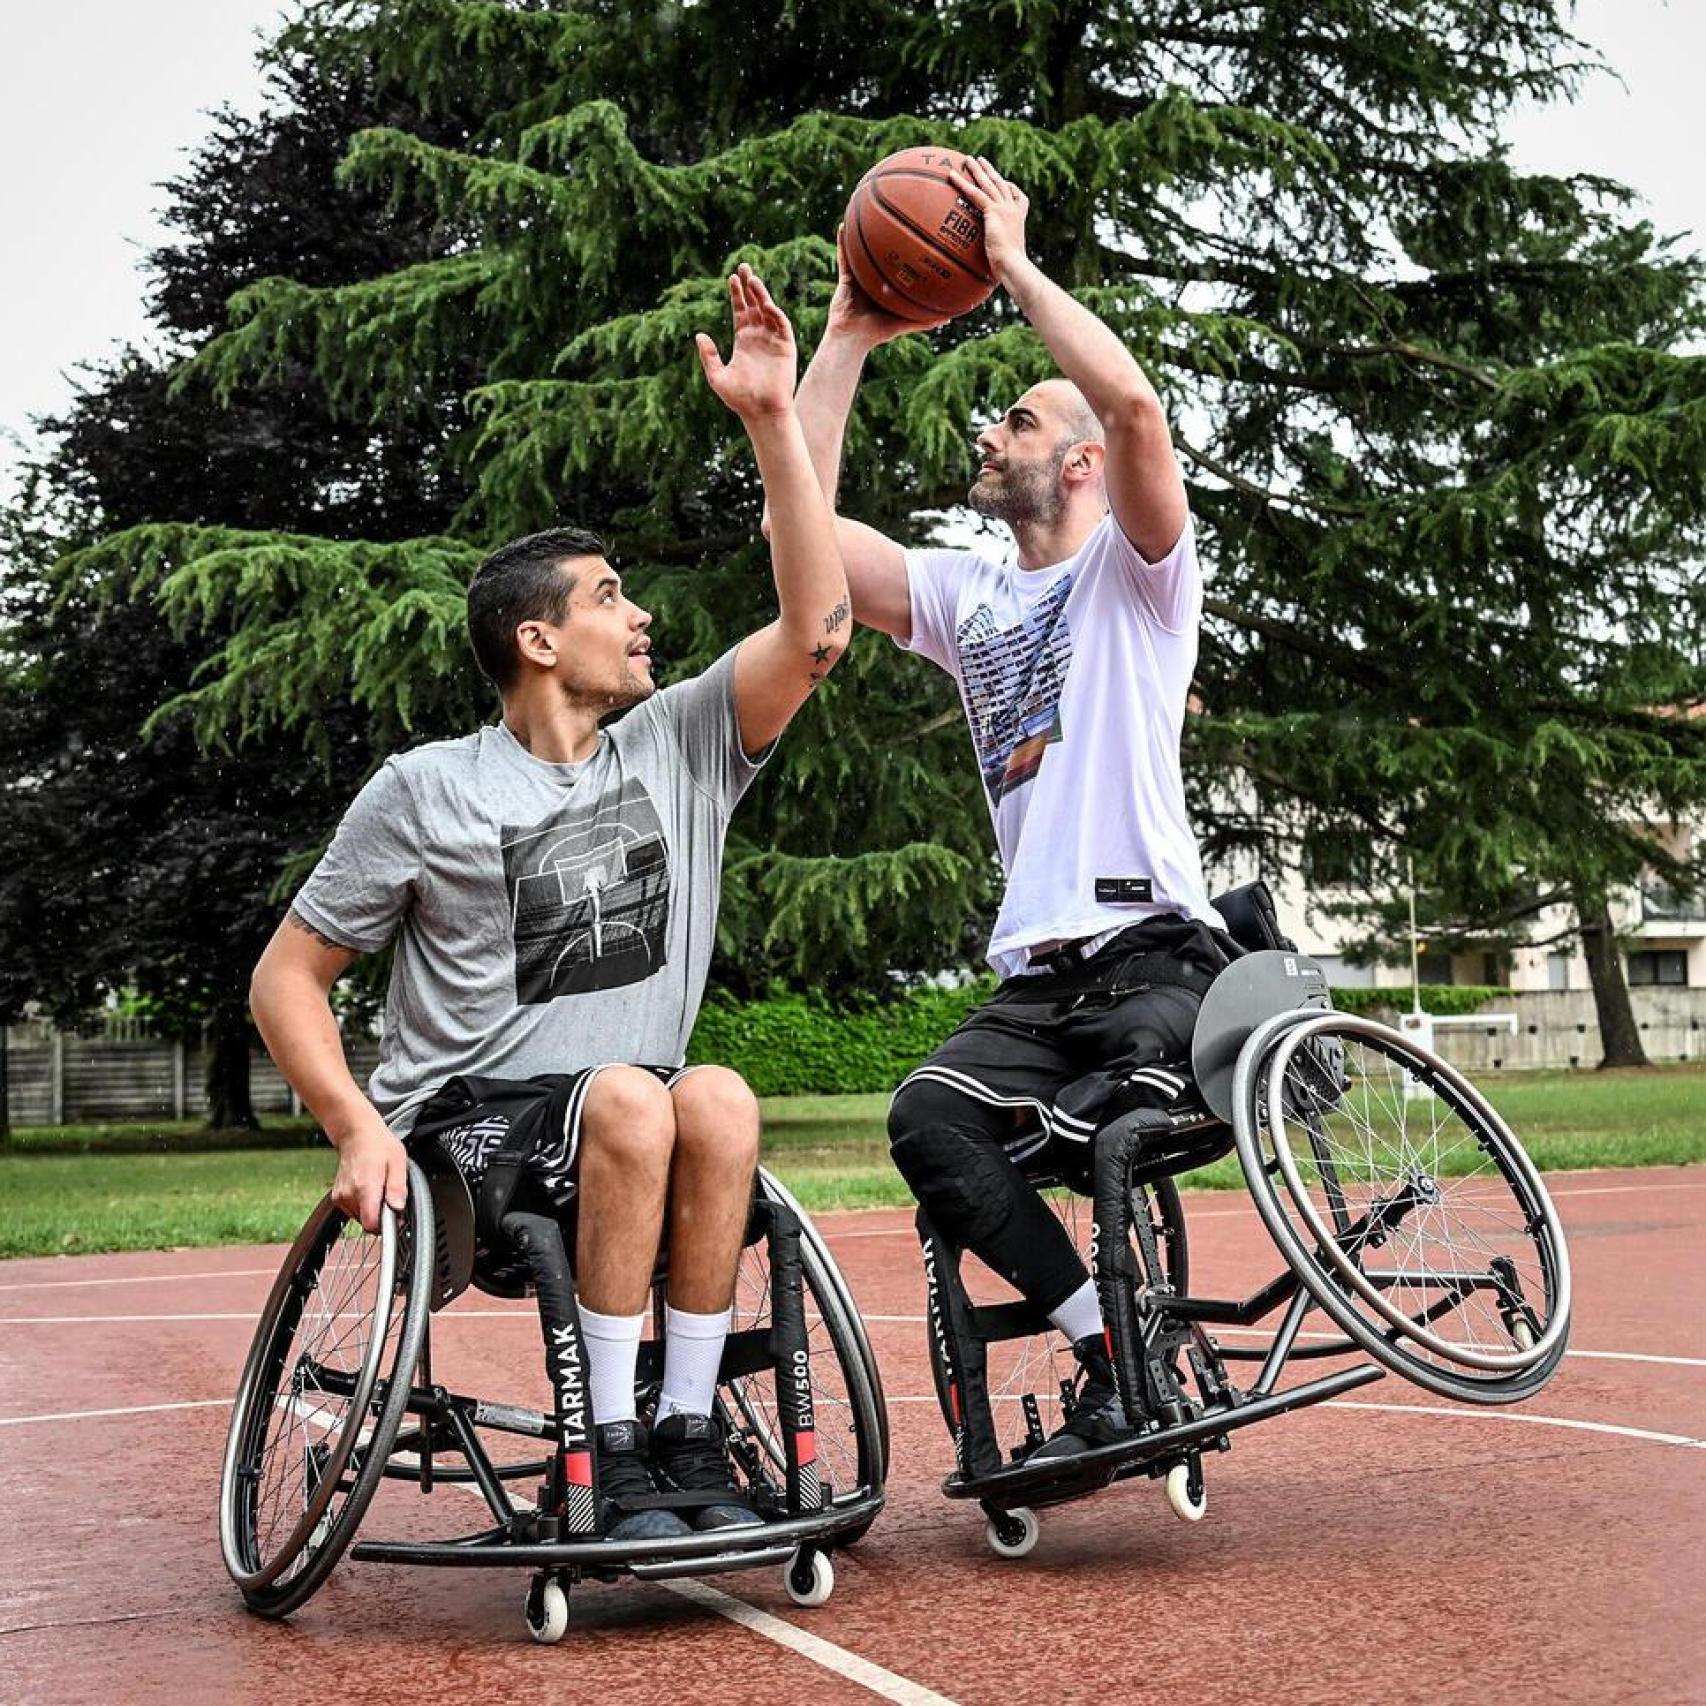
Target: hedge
(796, 1045)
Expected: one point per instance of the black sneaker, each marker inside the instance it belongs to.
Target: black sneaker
(1098, 1418)
(688, 1456)
(623, 1474)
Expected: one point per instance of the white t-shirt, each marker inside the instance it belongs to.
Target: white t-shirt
(1074, 679)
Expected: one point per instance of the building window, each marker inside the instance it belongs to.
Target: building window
(1659, 965)
(1557, 971)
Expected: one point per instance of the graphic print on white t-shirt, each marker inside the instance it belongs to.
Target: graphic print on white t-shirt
(1074, 680)
(1013, 679)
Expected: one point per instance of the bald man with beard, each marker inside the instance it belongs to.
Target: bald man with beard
(1073, 666)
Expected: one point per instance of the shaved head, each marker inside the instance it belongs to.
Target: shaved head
(1066, 403)
(1025, 454)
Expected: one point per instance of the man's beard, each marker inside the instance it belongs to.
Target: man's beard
(1021, 493)
(630, 691)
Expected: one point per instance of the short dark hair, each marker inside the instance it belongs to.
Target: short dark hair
(519, 582)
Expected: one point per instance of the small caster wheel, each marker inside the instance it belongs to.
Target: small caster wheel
(1012, 1534)
(809, 1577)
(1187, 1506)
(547, 1610)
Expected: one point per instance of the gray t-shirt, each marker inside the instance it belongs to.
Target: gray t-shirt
(553, 916)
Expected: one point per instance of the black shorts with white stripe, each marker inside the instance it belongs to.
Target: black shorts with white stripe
(1068, 1051)
(469, 1116)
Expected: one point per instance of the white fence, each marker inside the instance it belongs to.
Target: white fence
(55, 1078)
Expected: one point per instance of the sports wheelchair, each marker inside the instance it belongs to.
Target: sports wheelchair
(1408, 1216)
(339, 1393)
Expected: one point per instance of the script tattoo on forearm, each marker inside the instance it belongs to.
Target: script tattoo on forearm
(835, 618)
(295, 919)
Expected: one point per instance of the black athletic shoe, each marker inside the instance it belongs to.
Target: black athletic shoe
(1098, 1418)
(688, 1456)
(623, 1473)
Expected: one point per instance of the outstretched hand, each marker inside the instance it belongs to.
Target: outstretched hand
(1003, 206)
(853, 314)
(758, 377)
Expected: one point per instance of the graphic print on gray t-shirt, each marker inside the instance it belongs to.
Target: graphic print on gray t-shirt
(589, 896)
(1013, 680)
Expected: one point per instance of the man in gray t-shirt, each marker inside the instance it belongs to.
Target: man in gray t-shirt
(551, 886)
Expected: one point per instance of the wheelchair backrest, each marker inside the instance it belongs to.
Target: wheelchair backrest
(1250, 990)
(1252, 920)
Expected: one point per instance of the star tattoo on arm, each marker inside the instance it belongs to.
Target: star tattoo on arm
(820, 654)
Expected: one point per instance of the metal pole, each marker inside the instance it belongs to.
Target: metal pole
(1415, 951)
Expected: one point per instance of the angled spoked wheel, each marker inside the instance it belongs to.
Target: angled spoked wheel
(1405, 1205)
(321, 1396)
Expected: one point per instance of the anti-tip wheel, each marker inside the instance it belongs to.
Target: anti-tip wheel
(1012, 1534)
(1185, 1507)
(809, 1577)
(547, 1611)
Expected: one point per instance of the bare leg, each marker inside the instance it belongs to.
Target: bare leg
(627, 1138)
(710, 1190)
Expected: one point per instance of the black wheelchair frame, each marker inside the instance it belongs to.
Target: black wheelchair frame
(804, 1514)
(1171, 1373)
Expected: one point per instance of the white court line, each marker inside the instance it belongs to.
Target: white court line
(130, 1410)
(1487, 1415)
(883, 1683)
(850, 1666)
(1246, 1207)
(1479, 1414)
(137, 1279)
(1266, 1333)
(833, 1237)
(241, 1315)
(881, 1320)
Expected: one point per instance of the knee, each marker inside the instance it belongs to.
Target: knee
(967, 1185)
(921, 1103)
(629, 1119)
(716, 1111)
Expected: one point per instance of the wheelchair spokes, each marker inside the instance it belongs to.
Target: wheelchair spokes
(1427, 1217)
(321, 1394)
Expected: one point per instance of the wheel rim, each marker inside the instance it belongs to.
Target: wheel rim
(1462, 1210)
(308, 1395)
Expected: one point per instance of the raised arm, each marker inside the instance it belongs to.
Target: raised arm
(1145, 489)
(876, 565)
(777, 668)
(289, 997)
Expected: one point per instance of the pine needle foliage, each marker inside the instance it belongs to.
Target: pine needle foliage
(1445, 445)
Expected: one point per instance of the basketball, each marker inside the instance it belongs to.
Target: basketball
(914, 243)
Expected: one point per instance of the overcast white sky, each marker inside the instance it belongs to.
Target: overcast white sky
(100, 99)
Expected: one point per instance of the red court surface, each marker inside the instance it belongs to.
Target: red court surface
(1390, 1548)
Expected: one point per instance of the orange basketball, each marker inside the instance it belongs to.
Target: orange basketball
(914, 243)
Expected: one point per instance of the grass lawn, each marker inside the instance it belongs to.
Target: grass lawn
(80, 1189)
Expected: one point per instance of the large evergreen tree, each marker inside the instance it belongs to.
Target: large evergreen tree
(1445, 459)
(133, 860)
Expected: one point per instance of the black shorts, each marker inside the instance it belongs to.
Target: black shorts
(468, 1117)
(1068, 1050)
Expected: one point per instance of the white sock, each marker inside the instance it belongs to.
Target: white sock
(612, 1349)
(692, 1354)
(1080, 1315)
